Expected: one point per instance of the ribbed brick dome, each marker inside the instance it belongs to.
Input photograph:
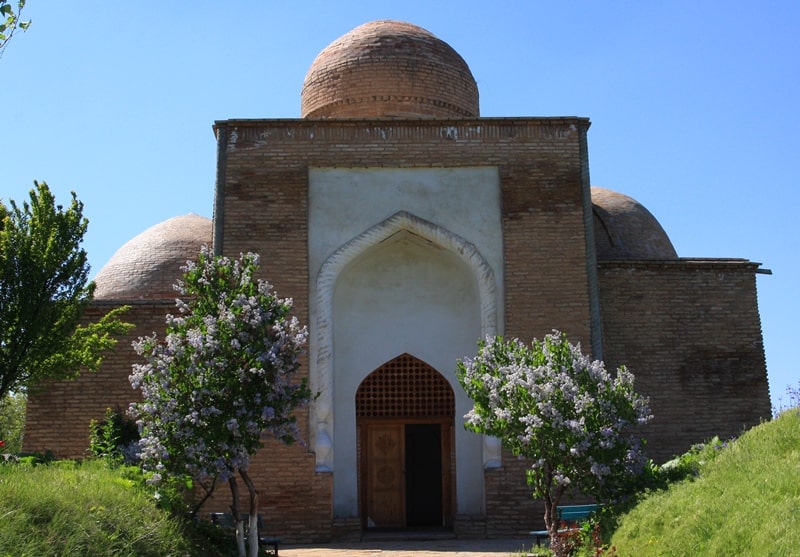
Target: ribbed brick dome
(147, 266)
(389, 69)
(625, 230)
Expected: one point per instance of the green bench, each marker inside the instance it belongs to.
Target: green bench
(226, 522)
(572, 514)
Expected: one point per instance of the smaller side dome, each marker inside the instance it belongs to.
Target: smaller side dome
(625, 230)
(147, 266)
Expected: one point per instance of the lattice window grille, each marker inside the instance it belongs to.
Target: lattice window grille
(405, 387)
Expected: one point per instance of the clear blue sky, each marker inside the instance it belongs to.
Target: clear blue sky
(694, 108)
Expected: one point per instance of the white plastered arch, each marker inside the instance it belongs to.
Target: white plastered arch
(321, 414)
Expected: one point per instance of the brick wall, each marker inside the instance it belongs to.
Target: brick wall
(58, 416)
(690, 332)
(510, 508)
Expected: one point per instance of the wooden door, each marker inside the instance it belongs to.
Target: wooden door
(405, 395)
(385, 461)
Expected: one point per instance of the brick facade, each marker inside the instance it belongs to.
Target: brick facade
(264, 209)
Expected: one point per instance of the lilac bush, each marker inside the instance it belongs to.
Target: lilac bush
(575, 422)
(222, 379)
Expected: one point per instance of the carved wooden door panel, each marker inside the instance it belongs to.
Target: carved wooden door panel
(386, 491)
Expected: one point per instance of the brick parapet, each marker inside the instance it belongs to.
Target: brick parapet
(246, 133)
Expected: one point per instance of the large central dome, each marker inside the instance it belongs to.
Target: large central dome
(389, 69)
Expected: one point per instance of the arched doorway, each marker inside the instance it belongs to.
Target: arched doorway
(404, 416)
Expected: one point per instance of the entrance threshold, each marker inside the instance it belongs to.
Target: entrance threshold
(420, 533)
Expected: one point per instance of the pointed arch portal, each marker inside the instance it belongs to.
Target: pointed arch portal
(321, 415)
(404, 285)
(405, 415)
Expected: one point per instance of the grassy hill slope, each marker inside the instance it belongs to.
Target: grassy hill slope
(744, 502)
(69, 508)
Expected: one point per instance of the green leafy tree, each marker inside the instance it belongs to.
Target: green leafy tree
(223, 376)
(44, 291)
(12, 422)
(10, 22)
(574, 421)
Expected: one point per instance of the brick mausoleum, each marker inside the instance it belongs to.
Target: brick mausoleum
(406, 227)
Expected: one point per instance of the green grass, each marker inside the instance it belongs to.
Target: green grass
(68, 508)
(744, 502)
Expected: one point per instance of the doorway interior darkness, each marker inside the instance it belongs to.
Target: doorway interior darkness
(424, 475)
(405, 411)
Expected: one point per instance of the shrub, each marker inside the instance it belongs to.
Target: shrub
(689, 464)
(574, 421)
(115, 438)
